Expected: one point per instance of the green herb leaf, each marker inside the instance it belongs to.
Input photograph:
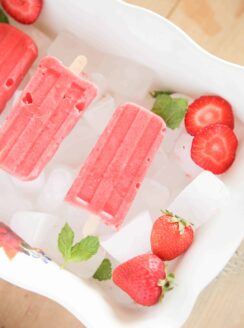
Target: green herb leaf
(65, 241)
(171, 110)
(104, 271)
(85, 249)
(3, 17)
(156, 93)
(167, 212)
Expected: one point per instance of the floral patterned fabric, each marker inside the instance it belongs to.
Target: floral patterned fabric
(13, 244)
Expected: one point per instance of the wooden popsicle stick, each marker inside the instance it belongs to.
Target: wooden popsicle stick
(78, 65)
(91, 225)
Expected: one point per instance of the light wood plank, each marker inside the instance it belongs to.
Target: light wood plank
(22, 309)
(217, 25)
(221, 304)
(162, 7)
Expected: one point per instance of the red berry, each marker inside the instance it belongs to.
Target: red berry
(171, 236)
(10, 242)
(23, 11)
(143, 278)
(214, 148)
(208, 110)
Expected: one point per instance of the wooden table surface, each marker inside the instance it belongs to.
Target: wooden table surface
(218, 26)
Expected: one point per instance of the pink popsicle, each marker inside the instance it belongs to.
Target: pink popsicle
(46, 112)
(108, 182)
(17, 54)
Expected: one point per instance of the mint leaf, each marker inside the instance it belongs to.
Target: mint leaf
(65, 241)
(104, 271)
(85, 249)
(156, 93)
(171, 110)
(3, 17)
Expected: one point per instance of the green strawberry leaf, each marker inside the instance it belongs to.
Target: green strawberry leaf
(182, 223)
(167, 212)
(65, 241)
(85, 249)
(166, 284)
(3, 17)
(172, 110)
(156, 93)
(104, 271)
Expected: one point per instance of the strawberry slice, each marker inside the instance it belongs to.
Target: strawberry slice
(214, 148)
(23, 11)
(208, 110)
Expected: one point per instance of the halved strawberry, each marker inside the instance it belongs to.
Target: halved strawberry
(208, 110)
(23, 11)
(214, 148)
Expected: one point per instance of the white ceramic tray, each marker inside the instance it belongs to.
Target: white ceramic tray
(121, 29)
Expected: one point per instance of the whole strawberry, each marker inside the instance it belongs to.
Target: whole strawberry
(144, 279)
(171, 236)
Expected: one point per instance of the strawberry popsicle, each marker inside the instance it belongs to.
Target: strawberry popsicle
(108, 181)
(46, 112)
(17, 53)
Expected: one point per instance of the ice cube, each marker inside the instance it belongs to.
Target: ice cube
(91, 225)
(32, 226)
(170, 138)
(40, 230)
(101, 83)
(159, 164)
(172, 177)
(182, 153)
(75, 148)
(131, 240)
(155, 196)
(32, 186)
(86, 269)
(100, 112)
(200, 200)
(22, 204)
(10, 199)
(128, 78)
(75, 217)
(67, 47)
(57, 185)
(74, 213)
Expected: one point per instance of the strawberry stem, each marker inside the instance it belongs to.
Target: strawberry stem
(167, 212)
(182, 223)
(166, 284)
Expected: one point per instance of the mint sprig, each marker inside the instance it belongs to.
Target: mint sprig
(65, 241)
(172, 110)
(81, 251)
(104, 271)
(85, 249)
(3, 17)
